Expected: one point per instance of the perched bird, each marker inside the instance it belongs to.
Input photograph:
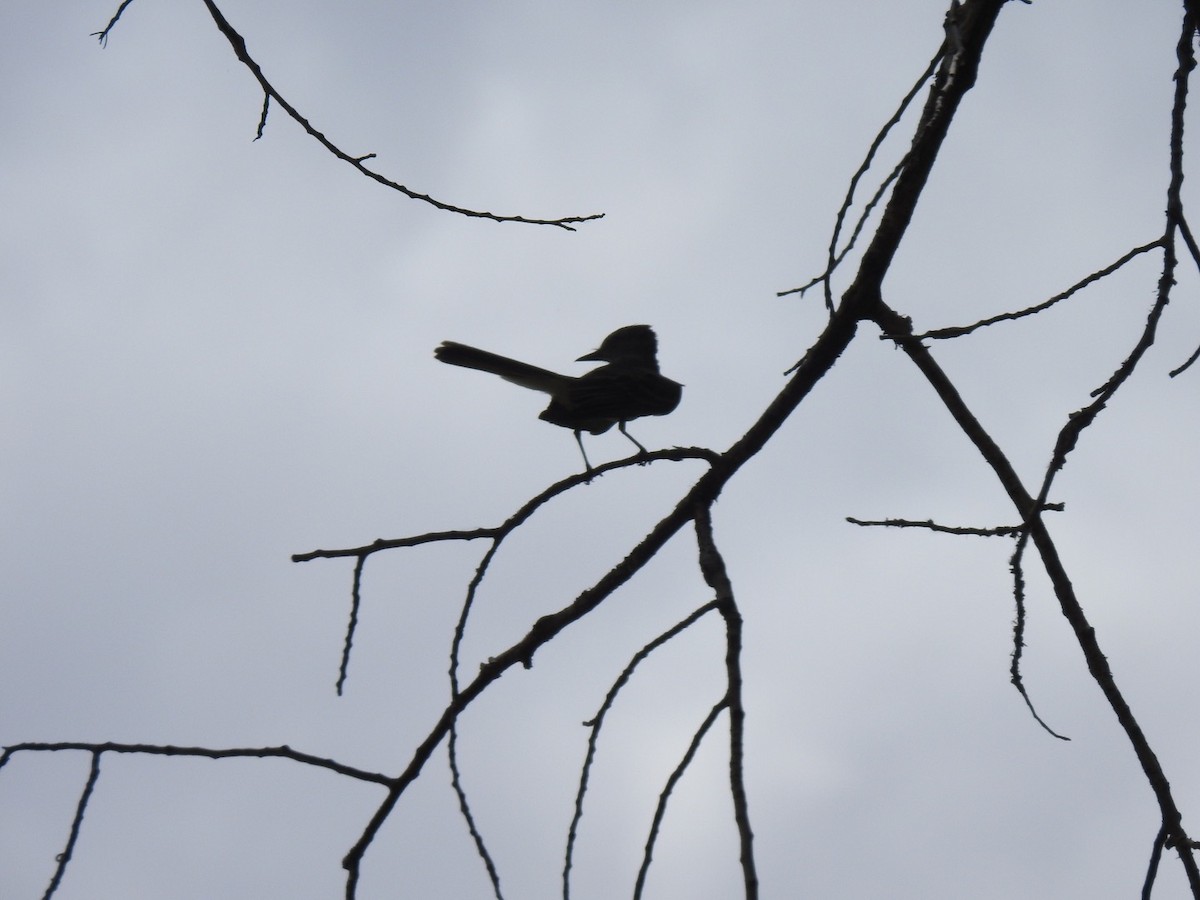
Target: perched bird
(628, 387)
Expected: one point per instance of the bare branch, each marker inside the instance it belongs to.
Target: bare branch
(597, 722)
(998, 531)
(1014, 669)
(76, 825)
(712, 566)
(281, 752)
(355, 602)
(239, 48)
(102, 35)
(661, 809)
(960, 330)
(496, 535)
(1194, 250)
(835, 256)
(464, 808)
(675, 454)
(1156, 850)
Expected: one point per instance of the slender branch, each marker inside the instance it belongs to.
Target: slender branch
(464, 808)
(998, 531)
(712, 566)
(1156, 850)
(1190, 242)
(238, 43)
(495, 534)
(661, 809)
(358, 162)
(675, 454)
(355, 603)
(597, 722)
(281, 752)
(960, 330)
(835, 256)
(1014, 670)
(102, 35)
(76, 824)
(395, 543)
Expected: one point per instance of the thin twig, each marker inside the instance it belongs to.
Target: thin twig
(464, 808)
(352, 624)
(960, 330)
(660, 809)
(102, 35)
(238, 43)
(712, 566)
(76, 824)
(280, 752)
(1014, 669)
(835, 256)
(1190, 242)
(597, 722)
(358, 162)
(929, 524)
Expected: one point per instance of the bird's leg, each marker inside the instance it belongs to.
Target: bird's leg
(579, 440)
(621, 426)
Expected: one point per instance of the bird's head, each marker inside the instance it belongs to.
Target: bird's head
(633, 343)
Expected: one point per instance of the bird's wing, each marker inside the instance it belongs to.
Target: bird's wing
(611, 394)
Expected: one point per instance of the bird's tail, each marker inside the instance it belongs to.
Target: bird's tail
(509, 369)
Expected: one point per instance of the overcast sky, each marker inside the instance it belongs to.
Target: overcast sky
(216, 352)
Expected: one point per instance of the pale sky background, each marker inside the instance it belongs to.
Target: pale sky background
(215, 353)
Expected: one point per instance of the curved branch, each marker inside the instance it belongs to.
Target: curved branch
(960, 330)
(660, 809)
(358, 162)
(238, 43)
(596, 723)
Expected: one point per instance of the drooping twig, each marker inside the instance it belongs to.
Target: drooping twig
(270, 93)
(712, 566)
(76, 825)
(835, 256)
(464, 809)
(102, 34)
(596, 723)
(660, 809)
(1014, 669)
(359, 162)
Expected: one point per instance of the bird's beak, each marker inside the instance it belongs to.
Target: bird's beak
(594, 356)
